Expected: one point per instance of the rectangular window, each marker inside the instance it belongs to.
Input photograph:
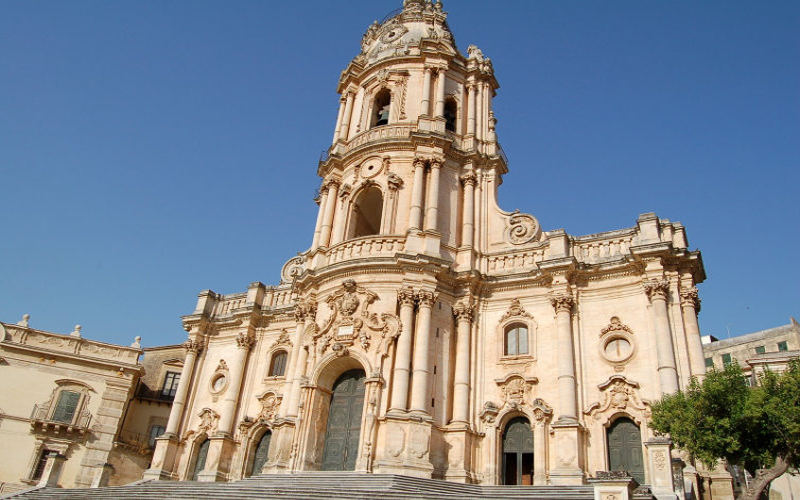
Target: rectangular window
(760, 349)
(170, 384)
(783, 346)
(709, 362)
(726, 359)
(66, 406)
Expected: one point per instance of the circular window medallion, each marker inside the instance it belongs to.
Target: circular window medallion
(618, 349)
(371, 168)
(218, 382)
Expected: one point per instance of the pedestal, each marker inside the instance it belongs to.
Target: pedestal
(406, 448)
(280, 452)
(102, 475)
(615, 485)
(163, 462)
(659, 459)
(433, 243)
(566, 438)
(218, 460)
(460, 441)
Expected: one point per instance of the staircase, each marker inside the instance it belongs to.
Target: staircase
(312, 485)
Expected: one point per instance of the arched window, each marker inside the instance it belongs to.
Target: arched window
(381, 108)
(450, 114)
(278, 365)
(366, 217)
(516, 339)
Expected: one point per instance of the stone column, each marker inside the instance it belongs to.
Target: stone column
(348, 112)
(244, 341)
(402, 364)
(657, 290)
(415, 217)
(567, 404)
(323, 198)
(336, 130)
(468, 221)
(426, 93)
(440, 80)
(479, 111)
(339, 221)
(394, 183)
(327, 219)
(486, 106)
(193, 347)
(420, 383)
(304, 321)
(690, 306)
(432, 203)
(476, 242)
(471, 108)
(463, 313)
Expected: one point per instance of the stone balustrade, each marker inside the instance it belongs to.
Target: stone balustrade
(377, 134)
(516, 261)
(602, 250)
(67, 344)
(368, 246)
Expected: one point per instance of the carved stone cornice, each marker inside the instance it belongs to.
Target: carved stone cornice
(690, 298)
(562, 302)
(406, 296)
(656, 289)
(426, 297)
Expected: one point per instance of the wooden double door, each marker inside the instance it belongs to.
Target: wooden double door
(344, 422)
(625, 448)
(518, 452)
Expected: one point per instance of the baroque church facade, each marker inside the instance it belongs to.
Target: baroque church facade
(426, 331)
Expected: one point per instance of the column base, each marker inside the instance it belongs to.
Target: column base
(406, 446)
(459, 440)
(433, 243)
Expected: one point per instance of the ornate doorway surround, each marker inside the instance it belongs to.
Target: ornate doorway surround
(344, 422)
(518, 452)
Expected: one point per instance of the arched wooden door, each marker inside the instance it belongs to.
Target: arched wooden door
(261, 453)
(518, 452)
(200, 460)
(344, 422)
(625, 448)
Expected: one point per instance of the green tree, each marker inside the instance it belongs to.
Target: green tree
(722, 417)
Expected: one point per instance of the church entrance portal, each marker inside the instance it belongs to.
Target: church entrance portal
(344, 422)
(625, 448)
(518, 452)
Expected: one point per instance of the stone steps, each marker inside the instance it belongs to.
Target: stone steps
(314, 485)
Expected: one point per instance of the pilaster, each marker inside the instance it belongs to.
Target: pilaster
(659, 459)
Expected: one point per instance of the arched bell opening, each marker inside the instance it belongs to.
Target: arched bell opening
(382, 105)
(517, 454)
(450, 114)
(367, 213)
(345, 414)
(624, 445)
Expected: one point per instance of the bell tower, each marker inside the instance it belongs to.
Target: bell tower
(414, 152)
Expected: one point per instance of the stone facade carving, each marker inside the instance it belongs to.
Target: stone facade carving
(619, 394)
(656, 288)
(522, 228)
(208, 421)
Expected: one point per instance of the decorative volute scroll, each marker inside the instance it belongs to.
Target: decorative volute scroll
(619, 395)
(515, 390)
(541, 411)
(515, 310)
(293, 268)
(489, 412)
(522, 228)
(352, 324)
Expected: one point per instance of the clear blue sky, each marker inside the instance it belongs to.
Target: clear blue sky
(149, 149)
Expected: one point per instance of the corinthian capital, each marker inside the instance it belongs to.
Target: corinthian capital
(419, 161)
(562, 302)
(332, 183)
(690, 297)
(426, 298)
(469, 179)
(245, 341)
(406, 296)
(193, 345)
(656, 289)
(463, 311)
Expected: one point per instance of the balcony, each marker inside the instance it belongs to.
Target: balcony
(366, 246)
(148, 394)
(42, 421)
